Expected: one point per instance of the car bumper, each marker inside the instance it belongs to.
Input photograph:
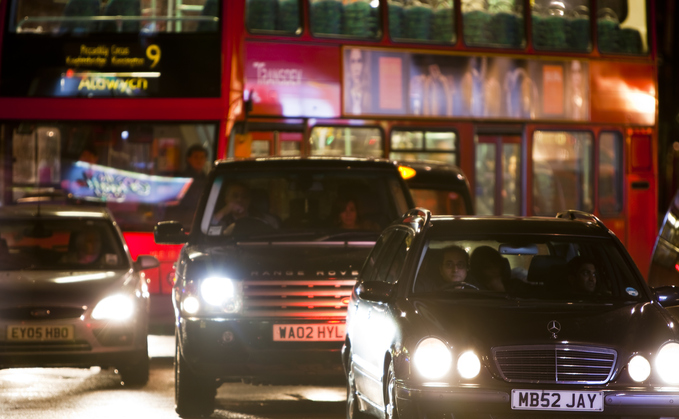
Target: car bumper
(245, 348)
(417, 402)
(94, 343)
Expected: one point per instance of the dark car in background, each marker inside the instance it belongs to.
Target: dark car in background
(264, 279)
(70, 294)
(441, 188)
(508, 317)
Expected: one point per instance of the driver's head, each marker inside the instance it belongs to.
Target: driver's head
(454, 264)
(88, 246)
(237, 198)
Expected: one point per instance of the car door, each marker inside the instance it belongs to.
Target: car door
(376, 328)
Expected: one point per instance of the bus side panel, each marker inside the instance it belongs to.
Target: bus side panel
(642, 219)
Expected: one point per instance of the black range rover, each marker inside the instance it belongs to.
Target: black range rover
(263, 282)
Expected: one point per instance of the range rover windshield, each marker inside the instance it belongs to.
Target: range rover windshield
(532, 267)
(303, 203)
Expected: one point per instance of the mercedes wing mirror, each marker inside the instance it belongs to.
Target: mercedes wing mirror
(376, 291)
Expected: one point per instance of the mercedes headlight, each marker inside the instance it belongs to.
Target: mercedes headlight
(639, 368)
(468, 365)
(432, 358)
(667, 363)
(115, 307)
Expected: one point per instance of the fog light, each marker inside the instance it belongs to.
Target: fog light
(227, 337)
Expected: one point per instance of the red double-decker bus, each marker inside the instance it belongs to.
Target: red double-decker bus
(544, 105)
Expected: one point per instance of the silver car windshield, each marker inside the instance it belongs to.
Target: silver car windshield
(557, 268)
(60, 244)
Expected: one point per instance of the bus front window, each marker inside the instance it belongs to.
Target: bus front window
(144, 173)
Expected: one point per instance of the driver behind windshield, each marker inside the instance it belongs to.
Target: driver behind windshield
(237, 206)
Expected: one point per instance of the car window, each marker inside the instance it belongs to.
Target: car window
(284, 202)
(60, 244)
(534, 267)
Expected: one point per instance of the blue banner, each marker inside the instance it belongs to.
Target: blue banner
(102, 183)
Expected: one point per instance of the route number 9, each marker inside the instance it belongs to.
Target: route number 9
(153, 54)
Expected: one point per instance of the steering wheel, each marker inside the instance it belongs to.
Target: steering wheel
(460, 285)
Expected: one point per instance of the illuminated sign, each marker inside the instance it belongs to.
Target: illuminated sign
(95, 182)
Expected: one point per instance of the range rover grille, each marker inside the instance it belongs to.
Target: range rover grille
(559, 364)
(325, 298)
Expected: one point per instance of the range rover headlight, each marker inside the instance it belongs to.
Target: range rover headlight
(432, 358)
(114, 307)
(223, 293)
(639, 368)
(468, 365)
(667, 363)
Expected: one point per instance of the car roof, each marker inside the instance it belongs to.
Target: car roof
(434, 173)
(308, 162)
(21, 211)
(482, 225)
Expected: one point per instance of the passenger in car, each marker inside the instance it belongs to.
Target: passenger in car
(349, 217)
(582, 275)
(488, 269)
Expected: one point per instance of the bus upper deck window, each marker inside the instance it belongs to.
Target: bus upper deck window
(561, 26)
(115, 16)
(355, 18)
(498, 25)
(273, 15)
(621, 26)
(422, 21)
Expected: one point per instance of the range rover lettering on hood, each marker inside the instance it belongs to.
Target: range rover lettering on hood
(303, 273)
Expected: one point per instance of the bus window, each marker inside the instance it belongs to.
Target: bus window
(417, 145)
(356, 18)
(499, 24)
(143, 172)
(55, 17)
(621, 26)
(561, 25)
(346, 141)
(610, 173)
(498, 174)
(273, 15)
(426, 20)
(562, 172)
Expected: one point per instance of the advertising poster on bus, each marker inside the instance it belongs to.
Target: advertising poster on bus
(381, 82)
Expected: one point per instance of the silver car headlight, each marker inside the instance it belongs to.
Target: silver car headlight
(432, 358)
(115, 307)
(667, 363)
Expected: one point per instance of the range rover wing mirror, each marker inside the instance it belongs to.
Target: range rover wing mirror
(169, 232)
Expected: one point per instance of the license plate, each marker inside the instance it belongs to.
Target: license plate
(308, 332)
(581, 401)
(40, 333)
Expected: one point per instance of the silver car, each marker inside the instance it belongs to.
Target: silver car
(70, 294)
